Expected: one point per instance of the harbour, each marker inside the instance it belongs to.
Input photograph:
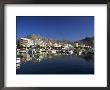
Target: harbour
(44, 63)
(55, 45)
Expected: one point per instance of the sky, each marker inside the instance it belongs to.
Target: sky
(55, 27)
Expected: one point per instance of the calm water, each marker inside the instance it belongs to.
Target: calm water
(55, 64)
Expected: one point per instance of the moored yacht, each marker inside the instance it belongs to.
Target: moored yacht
(18, 60)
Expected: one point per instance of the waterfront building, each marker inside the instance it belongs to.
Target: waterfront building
(34, 42)
(65, 47)
(68, 46)
(25, 42)
(83, 45)
(55, 45)
(77, 45)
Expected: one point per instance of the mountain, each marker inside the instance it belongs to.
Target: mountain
(87, 41)
(33, 36)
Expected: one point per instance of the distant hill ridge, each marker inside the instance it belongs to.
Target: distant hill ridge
(86, 40)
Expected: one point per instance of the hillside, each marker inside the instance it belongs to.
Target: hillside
(86, 40)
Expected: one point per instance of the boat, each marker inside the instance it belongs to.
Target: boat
(18, 60)
(71, 52)
(53, 51)
(22, 51)
(18, 66)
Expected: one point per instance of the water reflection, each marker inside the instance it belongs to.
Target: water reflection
(38, 57)
(17, 65)
(88, 58)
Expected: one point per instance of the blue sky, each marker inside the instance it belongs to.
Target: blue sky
(55, 27)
